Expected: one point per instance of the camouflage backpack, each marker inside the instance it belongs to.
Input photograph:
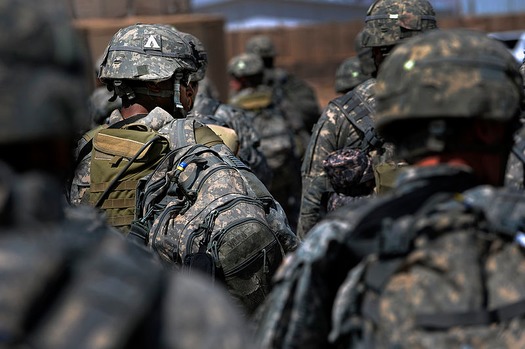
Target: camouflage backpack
(199, 213)
(444, 277)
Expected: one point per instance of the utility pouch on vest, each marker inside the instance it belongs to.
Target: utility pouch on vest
(120, 157)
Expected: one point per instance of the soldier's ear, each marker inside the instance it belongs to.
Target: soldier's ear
(190, 91)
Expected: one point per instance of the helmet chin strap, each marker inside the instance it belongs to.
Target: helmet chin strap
(176, 90)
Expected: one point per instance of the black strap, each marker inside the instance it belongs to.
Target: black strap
(519, 148)
(471, 318)
(362, 120)
(86, 149)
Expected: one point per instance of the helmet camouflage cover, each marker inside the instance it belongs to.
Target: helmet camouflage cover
(389, 21)
(261, 45)
(447, 74)
(43, 73)
(147, 52)
(349, 74)
(245, 64)
(201, 56)
(364, 54)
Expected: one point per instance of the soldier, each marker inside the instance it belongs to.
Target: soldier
(210, 110)
(347, 121)
(277, 139)
(68, 279)
(154, 88)
(348, 75)
(298, 97)
(355, 70)
(364, 53)
(424, 265)
(515, 175)
(149, 66)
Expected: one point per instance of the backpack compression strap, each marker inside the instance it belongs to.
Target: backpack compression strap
(362, 120)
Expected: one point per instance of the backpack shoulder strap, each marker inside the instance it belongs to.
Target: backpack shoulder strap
(187, 132)
(361, 120)
(88, 136)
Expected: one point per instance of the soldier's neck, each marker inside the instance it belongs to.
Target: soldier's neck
(132, 110)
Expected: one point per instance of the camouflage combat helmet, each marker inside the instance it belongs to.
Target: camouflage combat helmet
(458, 74)
(390, 21)
(348, 75)
(200, 54)
(245, 64)
(364, 54)
(43, 71)
(147, 52)
(261, 45)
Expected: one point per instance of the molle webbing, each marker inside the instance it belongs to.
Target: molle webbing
(361, 120)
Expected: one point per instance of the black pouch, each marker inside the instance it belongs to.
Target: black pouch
(201, 262)
(138, 233)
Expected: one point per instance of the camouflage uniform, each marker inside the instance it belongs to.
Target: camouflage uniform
(296, 97)
(209, 110)
(324, 296)
(158, 120)
(382, 31)
(68, 279)
(515, 175)
(277, 140)
(333, 131)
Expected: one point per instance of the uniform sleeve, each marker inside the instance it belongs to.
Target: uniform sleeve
(297, 313)
(333, 131)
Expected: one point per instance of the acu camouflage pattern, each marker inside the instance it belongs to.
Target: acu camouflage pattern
(146, 52)
(348, 75)
(245, 64)
(515, 174)
(225, 219)
(298, 98)
(200, 54)
(209, 110)
(390, 21)
(459, 74)
(333, 131)
(261, 45)
(277, 145)
(158, 120)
